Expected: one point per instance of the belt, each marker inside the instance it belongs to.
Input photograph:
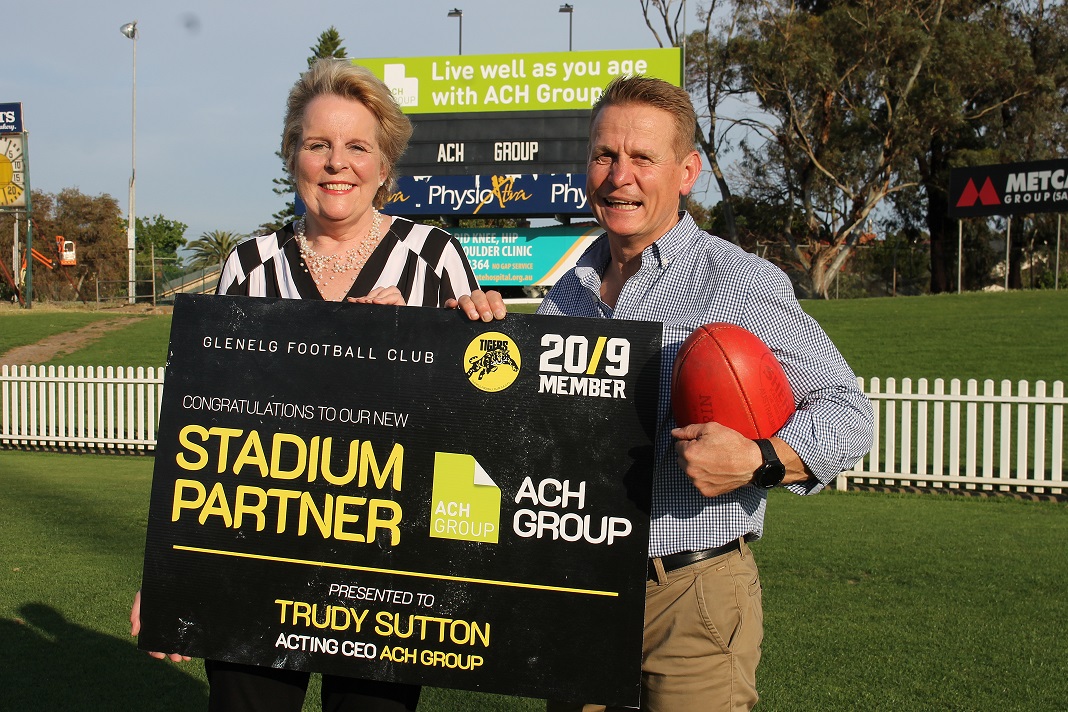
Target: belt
(673, 562)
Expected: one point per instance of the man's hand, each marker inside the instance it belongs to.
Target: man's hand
(479, 305)
(719, 459)
(716, 458)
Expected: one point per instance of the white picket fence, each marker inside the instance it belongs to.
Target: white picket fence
(995, 440)
(999, 439)
(80, 407)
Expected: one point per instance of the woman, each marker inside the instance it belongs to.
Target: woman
(342, 138)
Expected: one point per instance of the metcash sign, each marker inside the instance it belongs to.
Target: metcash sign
(543, 81)
(1009, 189)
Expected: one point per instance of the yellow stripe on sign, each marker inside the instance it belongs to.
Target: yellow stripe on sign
(598, 349)
(397, 572)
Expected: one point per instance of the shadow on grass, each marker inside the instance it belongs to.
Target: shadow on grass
(49, 663)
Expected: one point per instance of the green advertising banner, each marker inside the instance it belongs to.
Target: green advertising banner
(542, 81)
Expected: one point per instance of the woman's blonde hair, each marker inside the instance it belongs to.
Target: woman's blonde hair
(340, 77)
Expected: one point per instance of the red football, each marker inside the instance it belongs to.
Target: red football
(725, 374)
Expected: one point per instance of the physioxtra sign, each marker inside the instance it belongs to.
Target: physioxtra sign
(402, 494)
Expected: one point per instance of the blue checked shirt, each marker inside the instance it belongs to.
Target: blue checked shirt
(689, 278)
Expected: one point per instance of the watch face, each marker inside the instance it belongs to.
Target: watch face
(770, 475)
(12, 172)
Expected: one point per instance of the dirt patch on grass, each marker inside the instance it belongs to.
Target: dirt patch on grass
(62, 344)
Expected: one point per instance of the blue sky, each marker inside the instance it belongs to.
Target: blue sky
(212, 77)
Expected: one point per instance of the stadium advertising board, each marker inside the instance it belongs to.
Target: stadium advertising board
(513, 113)
(489, 196)
(521, 257)
(543, 81)
(402, 494)
(11, 118)
(518, 142)
(1009, 189)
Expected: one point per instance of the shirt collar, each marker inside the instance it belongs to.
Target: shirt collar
(662, 252)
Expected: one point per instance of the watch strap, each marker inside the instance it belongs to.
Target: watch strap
(767, 450)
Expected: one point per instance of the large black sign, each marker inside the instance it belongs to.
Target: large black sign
(1009, 189)
(401, 494)
(11, 118)
(497, 143)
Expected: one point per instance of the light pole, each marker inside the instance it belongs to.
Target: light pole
(130, 30)
(570, 10)
(457, 12)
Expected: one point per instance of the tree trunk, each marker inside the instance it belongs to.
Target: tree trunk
(725, 193)
(819, 273)
(936, 229)
(1016, 255)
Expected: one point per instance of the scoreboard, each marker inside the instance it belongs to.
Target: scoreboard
(487, 143)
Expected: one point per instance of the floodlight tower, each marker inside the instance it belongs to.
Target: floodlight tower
(130, 31)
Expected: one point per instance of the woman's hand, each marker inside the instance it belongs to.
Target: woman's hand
(135, 628)
(381, 295)
(479, 305)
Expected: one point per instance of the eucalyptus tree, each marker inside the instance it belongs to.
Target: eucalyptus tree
(855, 102)
(999, 95)
(837, 84)
(712, 78)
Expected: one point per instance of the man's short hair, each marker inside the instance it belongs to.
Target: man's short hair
(639, 89)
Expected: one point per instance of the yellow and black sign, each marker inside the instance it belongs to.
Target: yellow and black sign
(402, 494)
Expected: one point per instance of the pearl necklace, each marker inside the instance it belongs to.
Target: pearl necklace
(325, 268)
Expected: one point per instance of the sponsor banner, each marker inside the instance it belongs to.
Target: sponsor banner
(404, 495)
(543, 81)
(1009, 189)
(11, 118)
(482, 144)
(522, 257)
(537, 195)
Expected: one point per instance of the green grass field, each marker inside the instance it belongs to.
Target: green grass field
(19, 327)
(1019, 335)
(142, 343)
(872, 601)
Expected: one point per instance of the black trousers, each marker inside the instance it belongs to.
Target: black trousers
(250, 688)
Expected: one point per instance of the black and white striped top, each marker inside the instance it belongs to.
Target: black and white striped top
(427, 264)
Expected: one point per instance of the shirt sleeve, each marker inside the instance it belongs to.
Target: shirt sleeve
(232, 278)
(833, 425)
(457, 278)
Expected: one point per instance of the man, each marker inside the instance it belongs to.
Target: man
(703, 621)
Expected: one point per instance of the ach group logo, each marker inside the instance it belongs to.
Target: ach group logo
(492, 361)
(405, 89)
(465, 503)
(971, 195)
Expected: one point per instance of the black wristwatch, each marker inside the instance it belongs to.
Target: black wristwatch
(771, 473)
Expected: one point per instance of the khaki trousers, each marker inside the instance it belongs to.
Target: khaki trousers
(703, 629)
